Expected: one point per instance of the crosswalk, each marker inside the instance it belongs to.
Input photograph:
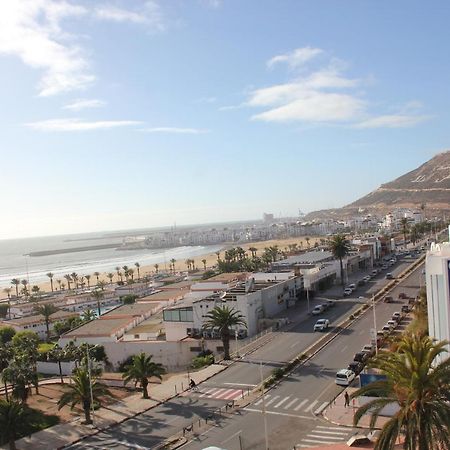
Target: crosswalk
(324, 435)
(216, 393)
(291, 403)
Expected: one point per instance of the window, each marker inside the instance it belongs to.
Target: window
(136, 336)
(178, 315)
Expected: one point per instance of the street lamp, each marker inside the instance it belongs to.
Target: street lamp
(266, 436)
(374, 324)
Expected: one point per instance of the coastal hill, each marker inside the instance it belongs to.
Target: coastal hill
(427, 185)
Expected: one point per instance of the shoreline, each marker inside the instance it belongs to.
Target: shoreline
(180, 265)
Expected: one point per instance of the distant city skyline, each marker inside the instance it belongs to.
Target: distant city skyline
(138, 114)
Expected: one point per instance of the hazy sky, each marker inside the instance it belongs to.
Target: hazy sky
(126, 114)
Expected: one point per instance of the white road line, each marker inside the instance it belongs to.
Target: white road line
(260, 400)
(336, 438)
(235, 394)
(282, 401)
(321, 408)
(240, 384)
(311, 406)
(275, 413)
(217, 393)
(290, 403)
(208, 392)
(301, 404)
(330, 432)
(330, 428)
(225, 393)
(345, 347)
(316, 441)
(272, 400)
(294, 344)
(231, 437)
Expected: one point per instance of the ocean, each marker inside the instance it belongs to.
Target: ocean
(15, 264)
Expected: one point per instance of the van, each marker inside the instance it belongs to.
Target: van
(344, 377)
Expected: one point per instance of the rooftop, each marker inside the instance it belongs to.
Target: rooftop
(152, 325)
(136, 309)
(172, 294)
(306, 258)
(179, 285)
(99, 327)
(39, 318)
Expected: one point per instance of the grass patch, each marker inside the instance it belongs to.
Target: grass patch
(45, 347)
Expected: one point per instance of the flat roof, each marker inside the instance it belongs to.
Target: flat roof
(148, 326)
(135, 309)
(99, 327)
(306, 258)
(227, 277)
(39, 318)
(171, 294)
(179, 285)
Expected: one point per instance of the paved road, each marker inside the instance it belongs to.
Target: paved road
(292, 405)
(151, 428)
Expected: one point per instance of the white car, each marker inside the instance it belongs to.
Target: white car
(321, 325)
(344, 377)
(351, 286)
(347, 292)
(317, 310)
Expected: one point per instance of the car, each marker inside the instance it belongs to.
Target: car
(351, 286)
(384, 266)
(317, 310)
(331, 303)
(389, 276)
(397, 316)
(402, 295)
(344, 377)
(392, 323)
(374, 273)
(325, 306)
(388, 299)
(368, 348)
(382, 333)
(406, 309)
(366, 278)
(321, 325)
(347, 292)
(361, 357)
(387, 329)
(356, 367)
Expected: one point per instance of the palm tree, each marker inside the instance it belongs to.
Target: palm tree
(101, 284)
(12, 415)
(46, 310)
(156, 266)
(58, 354)
(188, 264)
(7, 291)
(24, 283)
(125, 272)
(340, 248)
(50, 275)
(420, 384)
(223, 319)
(404, 223)
(204, 263)
(98, 295)
(15, 282)
(138, 268)
(74, 277)
(173, 261)
(131, 274)
(68, 279)
(110, 275)
(80, 391)
(141, 369)
(119, 274)
(88, 279)
(96, 275)
(59, 283)
(253, 251)
(307, 239)
(218, 256)
(88, 315)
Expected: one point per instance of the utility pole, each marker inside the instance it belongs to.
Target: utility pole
(375, 323)
(88, 362)
(266, 437)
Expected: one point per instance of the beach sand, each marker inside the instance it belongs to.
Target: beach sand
(180, 265)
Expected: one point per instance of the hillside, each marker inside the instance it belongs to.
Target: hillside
(429, 184)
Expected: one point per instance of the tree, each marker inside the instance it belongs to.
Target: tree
(6, 334)
(141, 369)
(204, 264)
(420, 385)
(218, 256)
(88, 279)
(101, 284)
(24, 283)
(88, 315)
(21, 373)
(110, 275)
(50, 275)
(12, 415)
(7, 291)
(129, 299)
(172, 262)
(15, 282)
(138, 268)
(156, 266)
(59, 283)
(119, 273)
(46, 310)
(74, 277)
(6, 355)
(253, 251)
(68, 279)
(223, 319)
(98, 295)
(340, 248)
(307, 239)
(58, 354)
(79, 392)
(404, 223)
(96, 275)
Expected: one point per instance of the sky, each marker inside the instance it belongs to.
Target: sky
(121, 114)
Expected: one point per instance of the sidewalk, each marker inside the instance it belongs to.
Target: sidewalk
(338, 414)
(65, 434)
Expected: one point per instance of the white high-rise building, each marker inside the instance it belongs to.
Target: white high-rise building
(438, 291)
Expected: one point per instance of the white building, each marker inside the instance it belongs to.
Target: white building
(438, 291)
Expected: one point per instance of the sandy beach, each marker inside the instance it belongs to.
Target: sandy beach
(180, 265)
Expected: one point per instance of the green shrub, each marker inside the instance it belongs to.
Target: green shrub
(201, 361)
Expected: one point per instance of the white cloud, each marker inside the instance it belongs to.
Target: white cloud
(175, 130)
(31, 30)
(296, 58)
(79, 125)
(149, 14)
(84, 103)
(392, 121)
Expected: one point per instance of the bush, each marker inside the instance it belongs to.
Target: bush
(129, 299)
(126, 362)
(6, 334)
(208, 274)
(278, 373)
(201, 361)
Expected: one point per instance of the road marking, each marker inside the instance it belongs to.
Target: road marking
(225, 393)
(320, 408)
(276, 413)
(272, 400)
(344, 348)
(338, 438)
(329, 428)
(294, 344)
(240, 384)
(316, 441)
(208, 392)
(311, 406)
(300, 405)
(290, 403)
(282, 401)
(330, 432)
(231, 437)
(260, 401)
(235, 394)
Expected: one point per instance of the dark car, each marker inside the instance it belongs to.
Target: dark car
(356, 366)
(361, 357)
(406, 308)
(388, 299)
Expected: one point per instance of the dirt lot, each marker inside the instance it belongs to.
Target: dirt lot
(49, 395)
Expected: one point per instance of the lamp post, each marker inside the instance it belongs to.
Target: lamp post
(375, 324)
(237, 344)
(88, 362)
(266, 436)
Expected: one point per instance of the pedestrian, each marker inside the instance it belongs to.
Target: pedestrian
(193, 385)
(347, 399)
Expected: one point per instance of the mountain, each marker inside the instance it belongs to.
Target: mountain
(427, 185)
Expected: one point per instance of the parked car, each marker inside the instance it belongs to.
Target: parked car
(361, 357)
(344, 377)
(331, 303)
(389, 276)
(368, 348)
(317, 310)
(366, 278)
(406, 309)
(392, 323)
(356, 367)
(361, 283)
(351, 286)
(347, 292)
(382, 333)
(374, 273)
(402, 295)
(387, 329)
(321, 325)
(397, 316)
(388, 299)
(384, 266)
